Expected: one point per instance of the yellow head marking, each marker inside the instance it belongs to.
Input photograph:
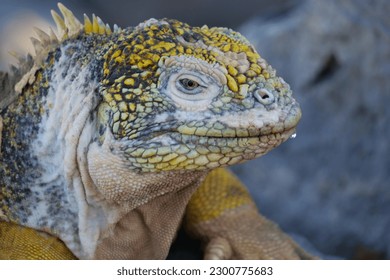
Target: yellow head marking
(142, 50)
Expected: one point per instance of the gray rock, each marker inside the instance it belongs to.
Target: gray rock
(330, 184)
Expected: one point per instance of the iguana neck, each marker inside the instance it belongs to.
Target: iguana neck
(147, 231)
(137, 214)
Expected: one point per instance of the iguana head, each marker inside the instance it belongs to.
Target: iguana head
(181, 97)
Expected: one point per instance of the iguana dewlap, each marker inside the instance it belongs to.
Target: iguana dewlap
(107, 134)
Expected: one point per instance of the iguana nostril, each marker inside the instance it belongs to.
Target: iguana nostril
(264, 96)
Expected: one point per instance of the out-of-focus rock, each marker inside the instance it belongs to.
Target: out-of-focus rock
(332, 183)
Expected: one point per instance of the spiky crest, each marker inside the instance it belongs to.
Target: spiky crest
(68, 26)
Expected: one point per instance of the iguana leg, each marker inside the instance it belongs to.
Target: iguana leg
(223, 215)
(22, 243)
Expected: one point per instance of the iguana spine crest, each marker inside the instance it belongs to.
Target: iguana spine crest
(68, 26)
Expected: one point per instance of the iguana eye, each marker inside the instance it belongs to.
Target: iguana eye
(189, 84)
(188, 89)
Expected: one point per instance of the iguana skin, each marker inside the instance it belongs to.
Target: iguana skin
(107, 135)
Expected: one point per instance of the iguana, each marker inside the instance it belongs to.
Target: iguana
(107, 136)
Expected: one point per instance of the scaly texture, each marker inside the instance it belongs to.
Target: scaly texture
(221, 211)
(18, 242)
(108, 133)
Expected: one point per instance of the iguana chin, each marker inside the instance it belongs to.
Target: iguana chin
(108, 134)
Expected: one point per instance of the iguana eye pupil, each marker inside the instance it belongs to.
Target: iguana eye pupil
(189, 84)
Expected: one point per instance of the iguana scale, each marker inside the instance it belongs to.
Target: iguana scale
(106, 136)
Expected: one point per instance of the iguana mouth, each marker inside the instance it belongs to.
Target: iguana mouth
(238, 140)
(173, 150)
(235, 133)
(212, 134)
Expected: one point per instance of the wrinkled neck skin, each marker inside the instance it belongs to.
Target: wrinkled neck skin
(125, 215)
(122, 214)
(85, 193)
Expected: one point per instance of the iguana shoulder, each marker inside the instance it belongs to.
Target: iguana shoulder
(108, 133)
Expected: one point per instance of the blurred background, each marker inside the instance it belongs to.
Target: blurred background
(329, 187)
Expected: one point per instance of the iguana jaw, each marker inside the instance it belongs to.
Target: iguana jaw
(191, 152)
(202, 148)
